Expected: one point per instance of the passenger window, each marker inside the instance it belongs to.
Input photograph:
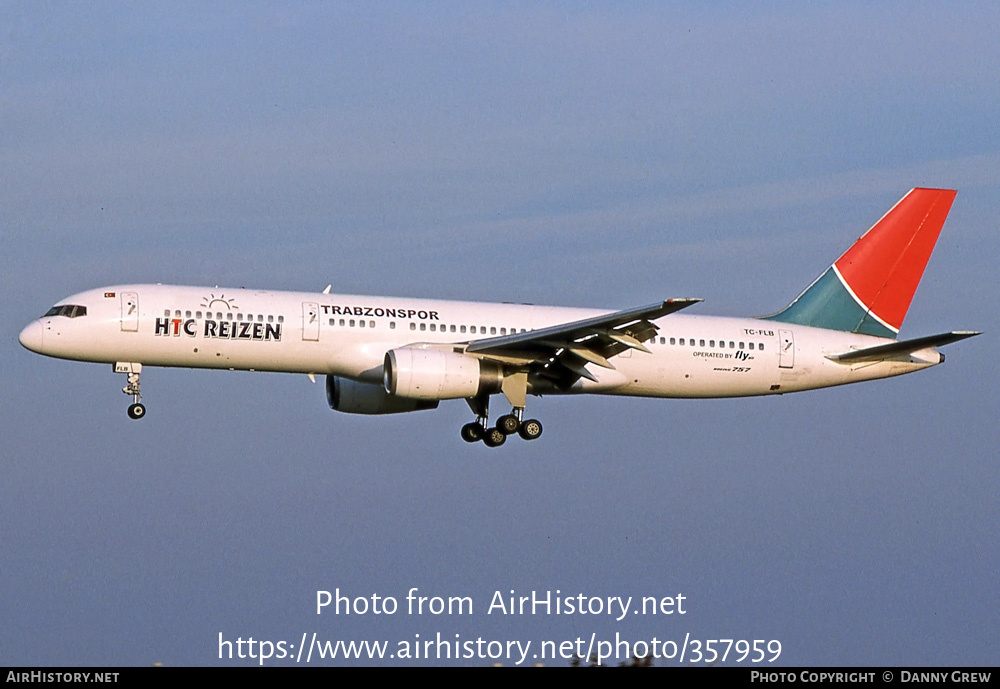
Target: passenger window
(423, 326)
(751, 345)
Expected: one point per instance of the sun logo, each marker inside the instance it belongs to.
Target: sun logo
(211, 301)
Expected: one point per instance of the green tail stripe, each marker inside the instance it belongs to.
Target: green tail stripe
(827, 304)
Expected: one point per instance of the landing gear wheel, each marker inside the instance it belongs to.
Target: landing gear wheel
(494, 437)
(131, 371)
(473, 432)
(508, 424)
(530, 429)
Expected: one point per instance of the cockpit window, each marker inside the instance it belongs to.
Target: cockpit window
(68, 310)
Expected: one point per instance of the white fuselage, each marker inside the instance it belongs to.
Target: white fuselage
(348, 336)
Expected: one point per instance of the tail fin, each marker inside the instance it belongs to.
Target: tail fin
(869, 289)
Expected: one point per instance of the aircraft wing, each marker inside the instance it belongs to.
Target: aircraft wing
(894, 349)
(561, 352)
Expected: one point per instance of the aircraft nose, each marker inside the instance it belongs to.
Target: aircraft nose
(31, 337)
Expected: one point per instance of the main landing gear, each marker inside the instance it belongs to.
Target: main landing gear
(136, 410)
(509, 424)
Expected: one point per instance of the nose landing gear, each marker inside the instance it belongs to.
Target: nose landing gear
(136, 410)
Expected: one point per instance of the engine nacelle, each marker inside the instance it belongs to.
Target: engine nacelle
(351, 397)
(431, 374)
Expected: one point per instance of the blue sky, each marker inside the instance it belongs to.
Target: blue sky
(565, 153)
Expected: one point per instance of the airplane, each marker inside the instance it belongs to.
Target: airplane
(386, 355)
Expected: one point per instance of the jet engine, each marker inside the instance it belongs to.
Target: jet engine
(432, 374)
(351, 397)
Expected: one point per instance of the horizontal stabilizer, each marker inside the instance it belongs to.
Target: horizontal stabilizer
(894, 349)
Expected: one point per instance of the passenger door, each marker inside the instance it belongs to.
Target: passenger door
(130, 311)
(786, 351)
(310, 322)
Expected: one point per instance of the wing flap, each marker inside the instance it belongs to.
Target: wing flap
(627, 340)
(578, 368)
(591, 356)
